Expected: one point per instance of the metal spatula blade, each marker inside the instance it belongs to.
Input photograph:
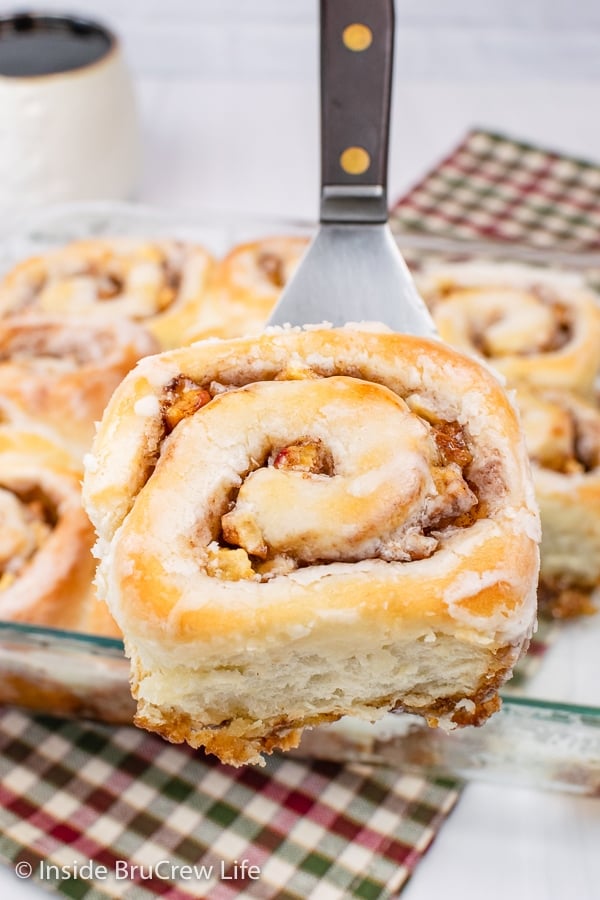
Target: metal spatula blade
(353, 270)
(352, 274)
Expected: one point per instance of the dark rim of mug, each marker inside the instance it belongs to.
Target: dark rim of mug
(27, 21)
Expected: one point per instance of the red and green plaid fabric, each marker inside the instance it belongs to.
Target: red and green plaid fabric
(139, 807)
(127, 815)
(492, 187)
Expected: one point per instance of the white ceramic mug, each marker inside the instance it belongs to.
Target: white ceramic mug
(68, 124)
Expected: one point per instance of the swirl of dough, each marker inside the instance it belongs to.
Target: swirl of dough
(61, 374)
(313, 482)
(22, 531)
(159, 284)
(251, 496)
(534, 326)
(346, 509)
(507, 322)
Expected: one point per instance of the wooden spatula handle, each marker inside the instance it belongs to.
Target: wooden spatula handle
(357, 39)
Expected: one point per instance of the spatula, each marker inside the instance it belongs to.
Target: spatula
(353, 270)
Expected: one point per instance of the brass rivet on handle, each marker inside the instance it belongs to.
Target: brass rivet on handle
(357, 37)
(355, 160)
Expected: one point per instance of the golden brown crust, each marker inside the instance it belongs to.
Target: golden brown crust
(230, 748)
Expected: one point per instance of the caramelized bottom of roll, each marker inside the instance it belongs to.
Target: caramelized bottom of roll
(560, 601)
(243, 739)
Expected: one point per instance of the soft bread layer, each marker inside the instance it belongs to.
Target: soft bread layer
(320, 682)
(228, 657)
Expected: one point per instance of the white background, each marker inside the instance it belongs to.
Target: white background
(436, 39)
(228, 89)
(228, 95)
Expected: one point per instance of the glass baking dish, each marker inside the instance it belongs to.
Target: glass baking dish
(547, 733)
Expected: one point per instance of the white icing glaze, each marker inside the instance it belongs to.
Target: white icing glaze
(147, 406)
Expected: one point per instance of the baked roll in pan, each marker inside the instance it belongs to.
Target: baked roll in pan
(46, 564)
(563, 439)
(245, 286)
(159, 284)
(311, 524)
(535, 326)
(61, 374)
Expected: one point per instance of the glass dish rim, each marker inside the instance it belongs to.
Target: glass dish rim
(411, 239)
(39, 634)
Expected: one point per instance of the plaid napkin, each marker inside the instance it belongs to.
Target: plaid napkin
(144, 812)
(504, 190)
(90, 811)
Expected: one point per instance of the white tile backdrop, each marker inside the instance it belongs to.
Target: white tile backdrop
(228, 89)
(437, 39)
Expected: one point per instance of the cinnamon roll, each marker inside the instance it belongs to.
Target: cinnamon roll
(13, 414)
(534, 326)
(158, 283)
(62, 373)
(46, 564)
(563, 439)
(309, 524)
(245, 286)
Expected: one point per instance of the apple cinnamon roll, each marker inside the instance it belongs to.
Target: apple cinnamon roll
(563, 439)
(159, 284)
(13, 414)
(61, 374)
(310, 524)
(245, 286)
(46, 564)
(534, 326)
